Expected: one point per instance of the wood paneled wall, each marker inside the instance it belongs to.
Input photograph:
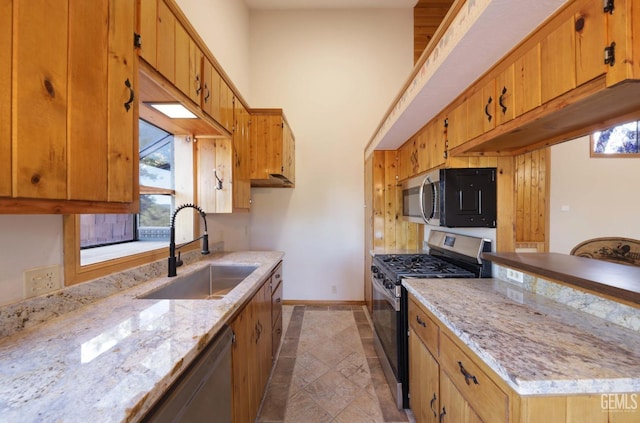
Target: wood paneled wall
(532, 206)
(427, 16)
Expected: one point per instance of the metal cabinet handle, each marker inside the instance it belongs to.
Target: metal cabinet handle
(278, 300)
(500, 100)
(467, 376)
(433, 400)
(421, 322)
(208, 93)
(444, 413)
(128, 103)
(198, 85)
(486, 109)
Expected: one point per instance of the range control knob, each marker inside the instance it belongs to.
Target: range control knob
(388, 284)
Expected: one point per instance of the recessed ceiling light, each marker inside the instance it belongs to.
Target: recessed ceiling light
(173, 110)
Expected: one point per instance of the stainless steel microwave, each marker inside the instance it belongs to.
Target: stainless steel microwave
(464, 197)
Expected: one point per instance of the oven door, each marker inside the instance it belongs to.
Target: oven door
(387, 323)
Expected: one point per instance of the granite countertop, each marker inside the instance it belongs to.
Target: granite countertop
(111, 360)
(536, 345)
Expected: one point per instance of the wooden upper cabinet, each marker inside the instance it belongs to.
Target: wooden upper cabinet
(505, 87)
(591, 35)
(557, 56)
(241, 158)
(188, 66)
(75, 114)
(6, 13)
(147, 29)
(181, 66)
(215, 175)
(166, 41)
(405, 158)
(623, 29)
(527, 81)
(272, 150)
(457, 126)
(481, 110)
(226, 106)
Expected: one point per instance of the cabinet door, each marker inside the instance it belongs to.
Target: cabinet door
(226, 106)
(527, 81)
(437, 141)
(457, 126)
(6, 15)
(481, 107)
(241, 146)
(206, 101)
(87, 89)
(166, 39)
(40, 99)
(243, 362)
(147, 27)
(591, 35)
(123, 110)
(195, 72)
(505, 107)
(265, 338)
(182, 77)
(404, 161)
(215, 175)
(423, 381)
(453, 407)
(557, 58)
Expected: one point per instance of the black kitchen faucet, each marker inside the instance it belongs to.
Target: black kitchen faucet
(174, 262)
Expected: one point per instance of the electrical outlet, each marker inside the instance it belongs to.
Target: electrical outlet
(515, 276)
(41, 280)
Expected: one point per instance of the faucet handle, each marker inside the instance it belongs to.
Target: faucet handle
(179, 260)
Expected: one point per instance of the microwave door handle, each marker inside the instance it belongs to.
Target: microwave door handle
(421, 196)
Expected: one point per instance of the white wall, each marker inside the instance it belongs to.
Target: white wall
(601, 195)
(334, 72)
(27, 242)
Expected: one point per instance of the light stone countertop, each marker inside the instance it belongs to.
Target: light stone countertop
(536, 345)
(109, 361)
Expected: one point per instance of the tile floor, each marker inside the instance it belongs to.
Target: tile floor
(328, 370)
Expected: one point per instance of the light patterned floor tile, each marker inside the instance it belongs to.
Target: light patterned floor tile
(329, 354)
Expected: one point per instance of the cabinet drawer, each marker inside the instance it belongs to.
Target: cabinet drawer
(484, 396)
(276, 301)
(424, 327)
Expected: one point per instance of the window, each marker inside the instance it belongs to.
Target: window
(617, 141)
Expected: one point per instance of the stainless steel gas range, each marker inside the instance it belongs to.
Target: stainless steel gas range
(449, 256)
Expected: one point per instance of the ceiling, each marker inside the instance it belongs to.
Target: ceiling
(330, 4)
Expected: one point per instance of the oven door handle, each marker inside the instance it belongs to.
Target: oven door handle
(377, 285)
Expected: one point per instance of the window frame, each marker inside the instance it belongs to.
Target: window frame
(616, 155)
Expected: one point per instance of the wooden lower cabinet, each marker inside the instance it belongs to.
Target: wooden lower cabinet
(424, 381)
(251, 354)
(276, 310)
(439, 369)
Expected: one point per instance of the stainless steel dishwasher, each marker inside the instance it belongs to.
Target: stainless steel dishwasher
(203, 392)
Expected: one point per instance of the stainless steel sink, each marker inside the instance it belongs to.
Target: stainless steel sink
(213, 281)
